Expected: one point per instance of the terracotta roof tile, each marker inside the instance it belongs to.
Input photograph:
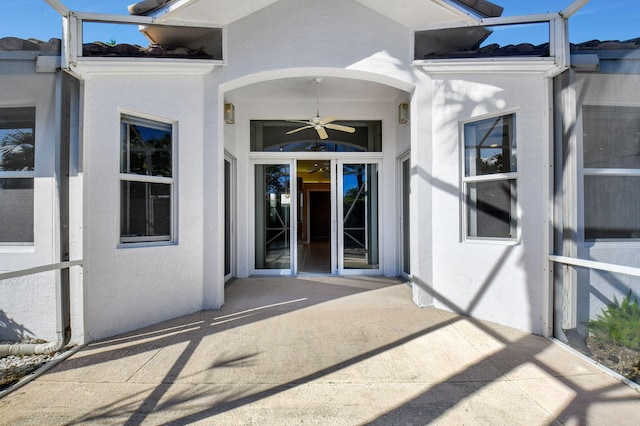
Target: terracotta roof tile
(45, 48)
(607, 45)
(527, 49)
(99, 49)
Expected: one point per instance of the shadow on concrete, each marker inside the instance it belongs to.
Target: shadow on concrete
(252, 301)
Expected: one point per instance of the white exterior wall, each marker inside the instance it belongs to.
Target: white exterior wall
(496, 281)
(421, 215)
(27, 304)
(130, 287)
(309, 34)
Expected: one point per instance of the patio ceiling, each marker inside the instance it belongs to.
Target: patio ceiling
(297, 88)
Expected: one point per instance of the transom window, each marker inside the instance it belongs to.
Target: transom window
(146, 180)
(489, 181)
(17, 173)
(271, 136)
(611, 157)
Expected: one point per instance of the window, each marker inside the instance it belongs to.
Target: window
(489, 181)
(611, 156)
(146, 180)
(277, 136)
(17, 172)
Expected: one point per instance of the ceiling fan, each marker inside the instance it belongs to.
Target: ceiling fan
(323, 167)
(321, 124)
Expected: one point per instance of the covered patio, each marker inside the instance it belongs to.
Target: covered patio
(324, 350)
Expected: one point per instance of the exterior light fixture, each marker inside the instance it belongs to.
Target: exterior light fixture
(229, 114)
(403, 113)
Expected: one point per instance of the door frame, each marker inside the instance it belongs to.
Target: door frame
(401, 243)
(292, 159)
(228, 158)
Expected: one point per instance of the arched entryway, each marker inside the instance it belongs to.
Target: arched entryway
(316, 201)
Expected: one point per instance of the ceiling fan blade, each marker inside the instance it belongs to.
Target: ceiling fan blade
(340, 128)
(299, 121)
(322, 132)
(326, 120)
(299, 129)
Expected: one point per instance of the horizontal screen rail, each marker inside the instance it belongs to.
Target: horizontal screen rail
(40, 269)
(592, 264)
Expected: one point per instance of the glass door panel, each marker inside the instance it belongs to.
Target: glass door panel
(227, 218)
(273, 216)
(315, 216)
(406, 228)
(359, 236)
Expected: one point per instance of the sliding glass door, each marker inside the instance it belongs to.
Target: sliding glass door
(348, 227)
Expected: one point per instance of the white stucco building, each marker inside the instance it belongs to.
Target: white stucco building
(422, 156)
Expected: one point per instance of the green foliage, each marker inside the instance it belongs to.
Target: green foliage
(619, 322)
(111, 42)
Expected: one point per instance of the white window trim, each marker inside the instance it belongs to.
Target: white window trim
(150, 241)
(508, 176)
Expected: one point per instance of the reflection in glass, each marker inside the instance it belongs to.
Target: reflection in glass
(16, 210)
(489, 178)
(406, 219)
(146, 210)
(146, 148)
(227, 217)
(360, 216)
(17, 171)
(490, 205)
(490, 146)
(17, 141)
(273, 212)
(271, 136)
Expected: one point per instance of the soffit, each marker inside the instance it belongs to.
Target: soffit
(216, 12)
(410, 13)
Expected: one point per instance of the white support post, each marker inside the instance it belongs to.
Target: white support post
(559, 37)
(570, 203)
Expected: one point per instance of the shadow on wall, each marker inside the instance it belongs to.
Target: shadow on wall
(11, 331)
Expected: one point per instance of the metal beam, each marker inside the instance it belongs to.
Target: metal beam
(573, 8)
(58, 6)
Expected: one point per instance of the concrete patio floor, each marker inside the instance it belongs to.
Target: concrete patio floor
(323, 350)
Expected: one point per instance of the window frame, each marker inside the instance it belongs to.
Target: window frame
(511, 177)
(24, 174)
(601, 172)
(128, 118)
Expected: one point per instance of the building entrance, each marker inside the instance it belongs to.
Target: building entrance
(330, 226)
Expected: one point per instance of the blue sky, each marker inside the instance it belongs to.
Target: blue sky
(598, 19)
